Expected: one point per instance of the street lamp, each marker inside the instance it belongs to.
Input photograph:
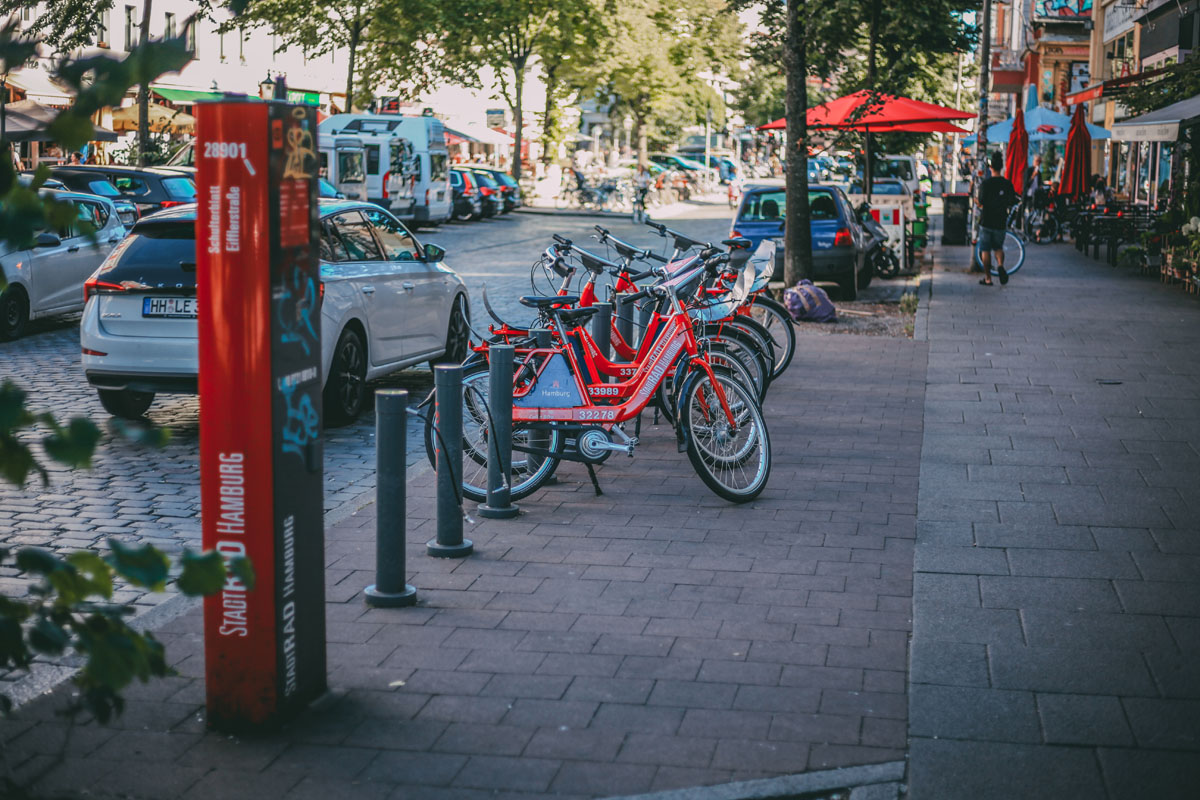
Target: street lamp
(266, 88)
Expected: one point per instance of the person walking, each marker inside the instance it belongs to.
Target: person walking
(996, 197)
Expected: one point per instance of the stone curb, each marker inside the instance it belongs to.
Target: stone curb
(862, 780)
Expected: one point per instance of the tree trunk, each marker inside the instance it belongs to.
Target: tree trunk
(797, 249)
(872, 56)
(355, 38)
(143, 136)
(518, 114)
(549, 113)
(643, 147)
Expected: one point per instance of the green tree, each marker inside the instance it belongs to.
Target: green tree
(568, 62)
(392, 37)
(68, 25)
(507, 37)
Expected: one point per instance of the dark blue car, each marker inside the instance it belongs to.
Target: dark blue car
(839, 245)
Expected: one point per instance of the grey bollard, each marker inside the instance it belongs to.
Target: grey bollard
(447, 379)
(602, 329)
(625, 320)
(500, 404)
(391, 507)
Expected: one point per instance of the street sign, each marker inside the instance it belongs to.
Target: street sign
(496, 117)
(260, 406)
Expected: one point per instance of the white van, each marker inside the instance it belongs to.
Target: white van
(342, 163)
(407, 166)
(903, 168)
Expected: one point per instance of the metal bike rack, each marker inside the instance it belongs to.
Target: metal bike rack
(391, 502)
(447, 379)
(499, 503)
(602, 328)
(625, 320)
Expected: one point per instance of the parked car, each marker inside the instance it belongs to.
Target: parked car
(26, 179)
(702, 173)
(885, 186)
(150, 188)
(389, 303)
(328, 191)
(127, 210)
(903, 168)
(839, 245)
(492, 195)
(47, 278)
(510, 190)
(467, 200)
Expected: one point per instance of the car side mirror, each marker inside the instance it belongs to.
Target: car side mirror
(434, 252)
(47, 239)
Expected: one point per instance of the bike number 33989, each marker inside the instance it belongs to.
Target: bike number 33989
(224, 149)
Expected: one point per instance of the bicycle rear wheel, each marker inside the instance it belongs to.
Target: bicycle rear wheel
(528, 472)
(778, 324)
(733, 460)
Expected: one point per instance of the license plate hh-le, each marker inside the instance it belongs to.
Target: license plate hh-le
(169, 307)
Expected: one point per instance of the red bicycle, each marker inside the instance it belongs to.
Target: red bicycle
(563, 409)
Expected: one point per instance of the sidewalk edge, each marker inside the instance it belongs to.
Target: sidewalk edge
(786, 785)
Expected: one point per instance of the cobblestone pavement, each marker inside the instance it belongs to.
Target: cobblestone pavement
(140, 494)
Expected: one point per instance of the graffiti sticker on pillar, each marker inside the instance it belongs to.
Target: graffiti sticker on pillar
(1063, 8)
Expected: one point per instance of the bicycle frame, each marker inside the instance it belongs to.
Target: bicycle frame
(675, 338)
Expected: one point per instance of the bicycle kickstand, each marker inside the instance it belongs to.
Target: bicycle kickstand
(595, 483)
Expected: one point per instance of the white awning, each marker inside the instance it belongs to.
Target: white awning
(1158, 126)
(39, 88)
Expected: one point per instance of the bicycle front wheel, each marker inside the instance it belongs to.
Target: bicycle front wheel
(1014, 254)
(732, 458)
(778, 324)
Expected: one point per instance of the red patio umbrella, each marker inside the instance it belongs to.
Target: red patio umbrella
(920, 127)
(1074, 182)
(1017, 157)
(865, 110)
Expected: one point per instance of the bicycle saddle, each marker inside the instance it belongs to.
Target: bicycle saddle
(737, 243)
(538, 301)
(573, 317)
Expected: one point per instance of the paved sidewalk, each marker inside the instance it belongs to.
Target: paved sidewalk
(652, 638)
(1056, 644)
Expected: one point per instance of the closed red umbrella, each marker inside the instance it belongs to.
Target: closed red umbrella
(1074, 181)
(1017, 157)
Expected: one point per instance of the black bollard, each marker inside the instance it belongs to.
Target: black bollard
(541, 338)
(625, 319)
(447, 379)
(500, 404)
(391, 511)
(602, 329)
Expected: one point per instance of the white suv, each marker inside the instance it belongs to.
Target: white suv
(388, 303)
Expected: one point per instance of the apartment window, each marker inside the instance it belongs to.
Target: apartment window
(189, 36)
(169, 31)
(221, 45)
(103, 31)
(130, 27)
(242, 45)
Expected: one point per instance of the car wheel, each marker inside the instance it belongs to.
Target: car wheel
(458, 337)
(14, 312)
(124, 403)
(866, 273)
(346, 389)
(849, 287)
(463, 216)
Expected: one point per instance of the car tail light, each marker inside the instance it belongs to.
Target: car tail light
(842, 238)
(736, 234)
(88, 352)
(427, 191)
(95, 286)
(321, 290)
(386, 175)
(170, 203)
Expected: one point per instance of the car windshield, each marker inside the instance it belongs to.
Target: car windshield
(350, 166)
(103, 188)
(772, 206)
(180, 188)
(158, 244)
(894, 168)
(880, 187)
(486, 179)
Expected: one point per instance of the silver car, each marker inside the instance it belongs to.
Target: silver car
(47, 278)
(388, 303)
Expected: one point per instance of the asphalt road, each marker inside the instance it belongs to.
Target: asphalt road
(139, 493)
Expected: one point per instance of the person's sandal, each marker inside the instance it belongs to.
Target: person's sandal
(985, 283)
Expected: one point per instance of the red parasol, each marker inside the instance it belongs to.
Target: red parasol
(1074, 182)
(920, 127)
(859, 111)
(1017, 157)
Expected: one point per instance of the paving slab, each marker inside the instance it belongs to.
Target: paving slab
(1050, 647)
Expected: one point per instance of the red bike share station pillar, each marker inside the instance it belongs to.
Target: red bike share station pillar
(258, 292)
